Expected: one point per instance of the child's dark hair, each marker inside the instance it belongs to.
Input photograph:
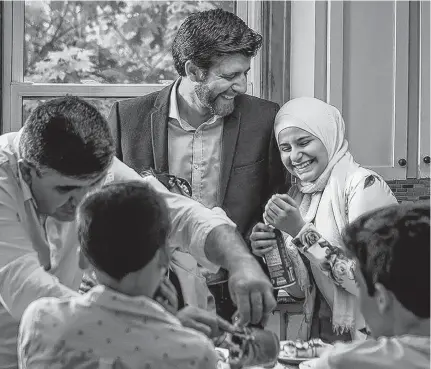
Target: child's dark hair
(392, 245)
(121, 226)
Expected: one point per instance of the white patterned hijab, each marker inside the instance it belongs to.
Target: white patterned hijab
(323, 121)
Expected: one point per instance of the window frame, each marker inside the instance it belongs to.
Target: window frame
(15, 90)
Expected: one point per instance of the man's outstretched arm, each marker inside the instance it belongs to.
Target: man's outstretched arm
(250, 288)
(213, 240)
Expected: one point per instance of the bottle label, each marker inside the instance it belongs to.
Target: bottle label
(279, 264)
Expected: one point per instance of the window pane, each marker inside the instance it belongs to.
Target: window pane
(104, 41)
(2, 59)
(102, 104)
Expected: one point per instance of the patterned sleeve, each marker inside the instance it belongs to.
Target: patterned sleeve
(331, 259)
(30, 338)
(35, 346)
(209, 359)
(366, 191)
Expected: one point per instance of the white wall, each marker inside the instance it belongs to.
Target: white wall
(302, 48)
(355, 55)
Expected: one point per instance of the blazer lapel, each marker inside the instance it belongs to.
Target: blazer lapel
(159, 130)
(229, 141)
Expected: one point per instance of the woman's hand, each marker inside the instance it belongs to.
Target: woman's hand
(282, 212)
(262, 239)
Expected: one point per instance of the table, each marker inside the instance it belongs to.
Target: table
(291, 308)
(278, 366)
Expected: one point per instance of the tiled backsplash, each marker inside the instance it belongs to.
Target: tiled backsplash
(411, 189)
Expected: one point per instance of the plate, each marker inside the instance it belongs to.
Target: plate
(310, 364)
(291, 360)
(284, 359)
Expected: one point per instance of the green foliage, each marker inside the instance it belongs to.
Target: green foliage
(104, 41)
(102, 104)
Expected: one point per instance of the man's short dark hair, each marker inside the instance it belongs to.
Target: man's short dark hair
(209, 34)
(392, 245)
(121, 226)
(69, 135)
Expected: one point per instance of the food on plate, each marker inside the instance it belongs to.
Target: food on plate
(223, 361)
(223, 355)
(304, 349)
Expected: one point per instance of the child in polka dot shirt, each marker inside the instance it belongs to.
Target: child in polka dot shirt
(122, 230)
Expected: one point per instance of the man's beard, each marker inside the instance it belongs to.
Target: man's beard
(215, 105)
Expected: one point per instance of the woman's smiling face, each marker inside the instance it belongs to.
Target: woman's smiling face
(303, 154)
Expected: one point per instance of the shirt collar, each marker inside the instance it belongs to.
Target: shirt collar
(174, 112)
(24, 186)
(110, 299)
(173, 103)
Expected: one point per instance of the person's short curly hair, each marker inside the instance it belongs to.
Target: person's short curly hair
(392, 245)
(69, 135)
(206, 35)
(121, 226)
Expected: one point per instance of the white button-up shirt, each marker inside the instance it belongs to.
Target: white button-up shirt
(195, 153)
(106, 329)
(38, 256)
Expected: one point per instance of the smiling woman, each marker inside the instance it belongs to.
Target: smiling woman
(303, 154)
(331, 191)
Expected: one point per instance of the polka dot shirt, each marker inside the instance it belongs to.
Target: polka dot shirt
(105, 329)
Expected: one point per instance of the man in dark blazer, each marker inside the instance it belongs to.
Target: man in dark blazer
(204, 128)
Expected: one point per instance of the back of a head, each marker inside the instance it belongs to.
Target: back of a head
(121, 226)
(392, 245)
(69, 135)
(209, 34)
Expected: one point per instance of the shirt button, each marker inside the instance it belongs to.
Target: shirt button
(196, 166)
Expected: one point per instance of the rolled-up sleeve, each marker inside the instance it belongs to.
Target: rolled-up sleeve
(191, 221)
(22, 278)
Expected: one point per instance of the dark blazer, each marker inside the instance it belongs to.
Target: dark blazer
(251, 170)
